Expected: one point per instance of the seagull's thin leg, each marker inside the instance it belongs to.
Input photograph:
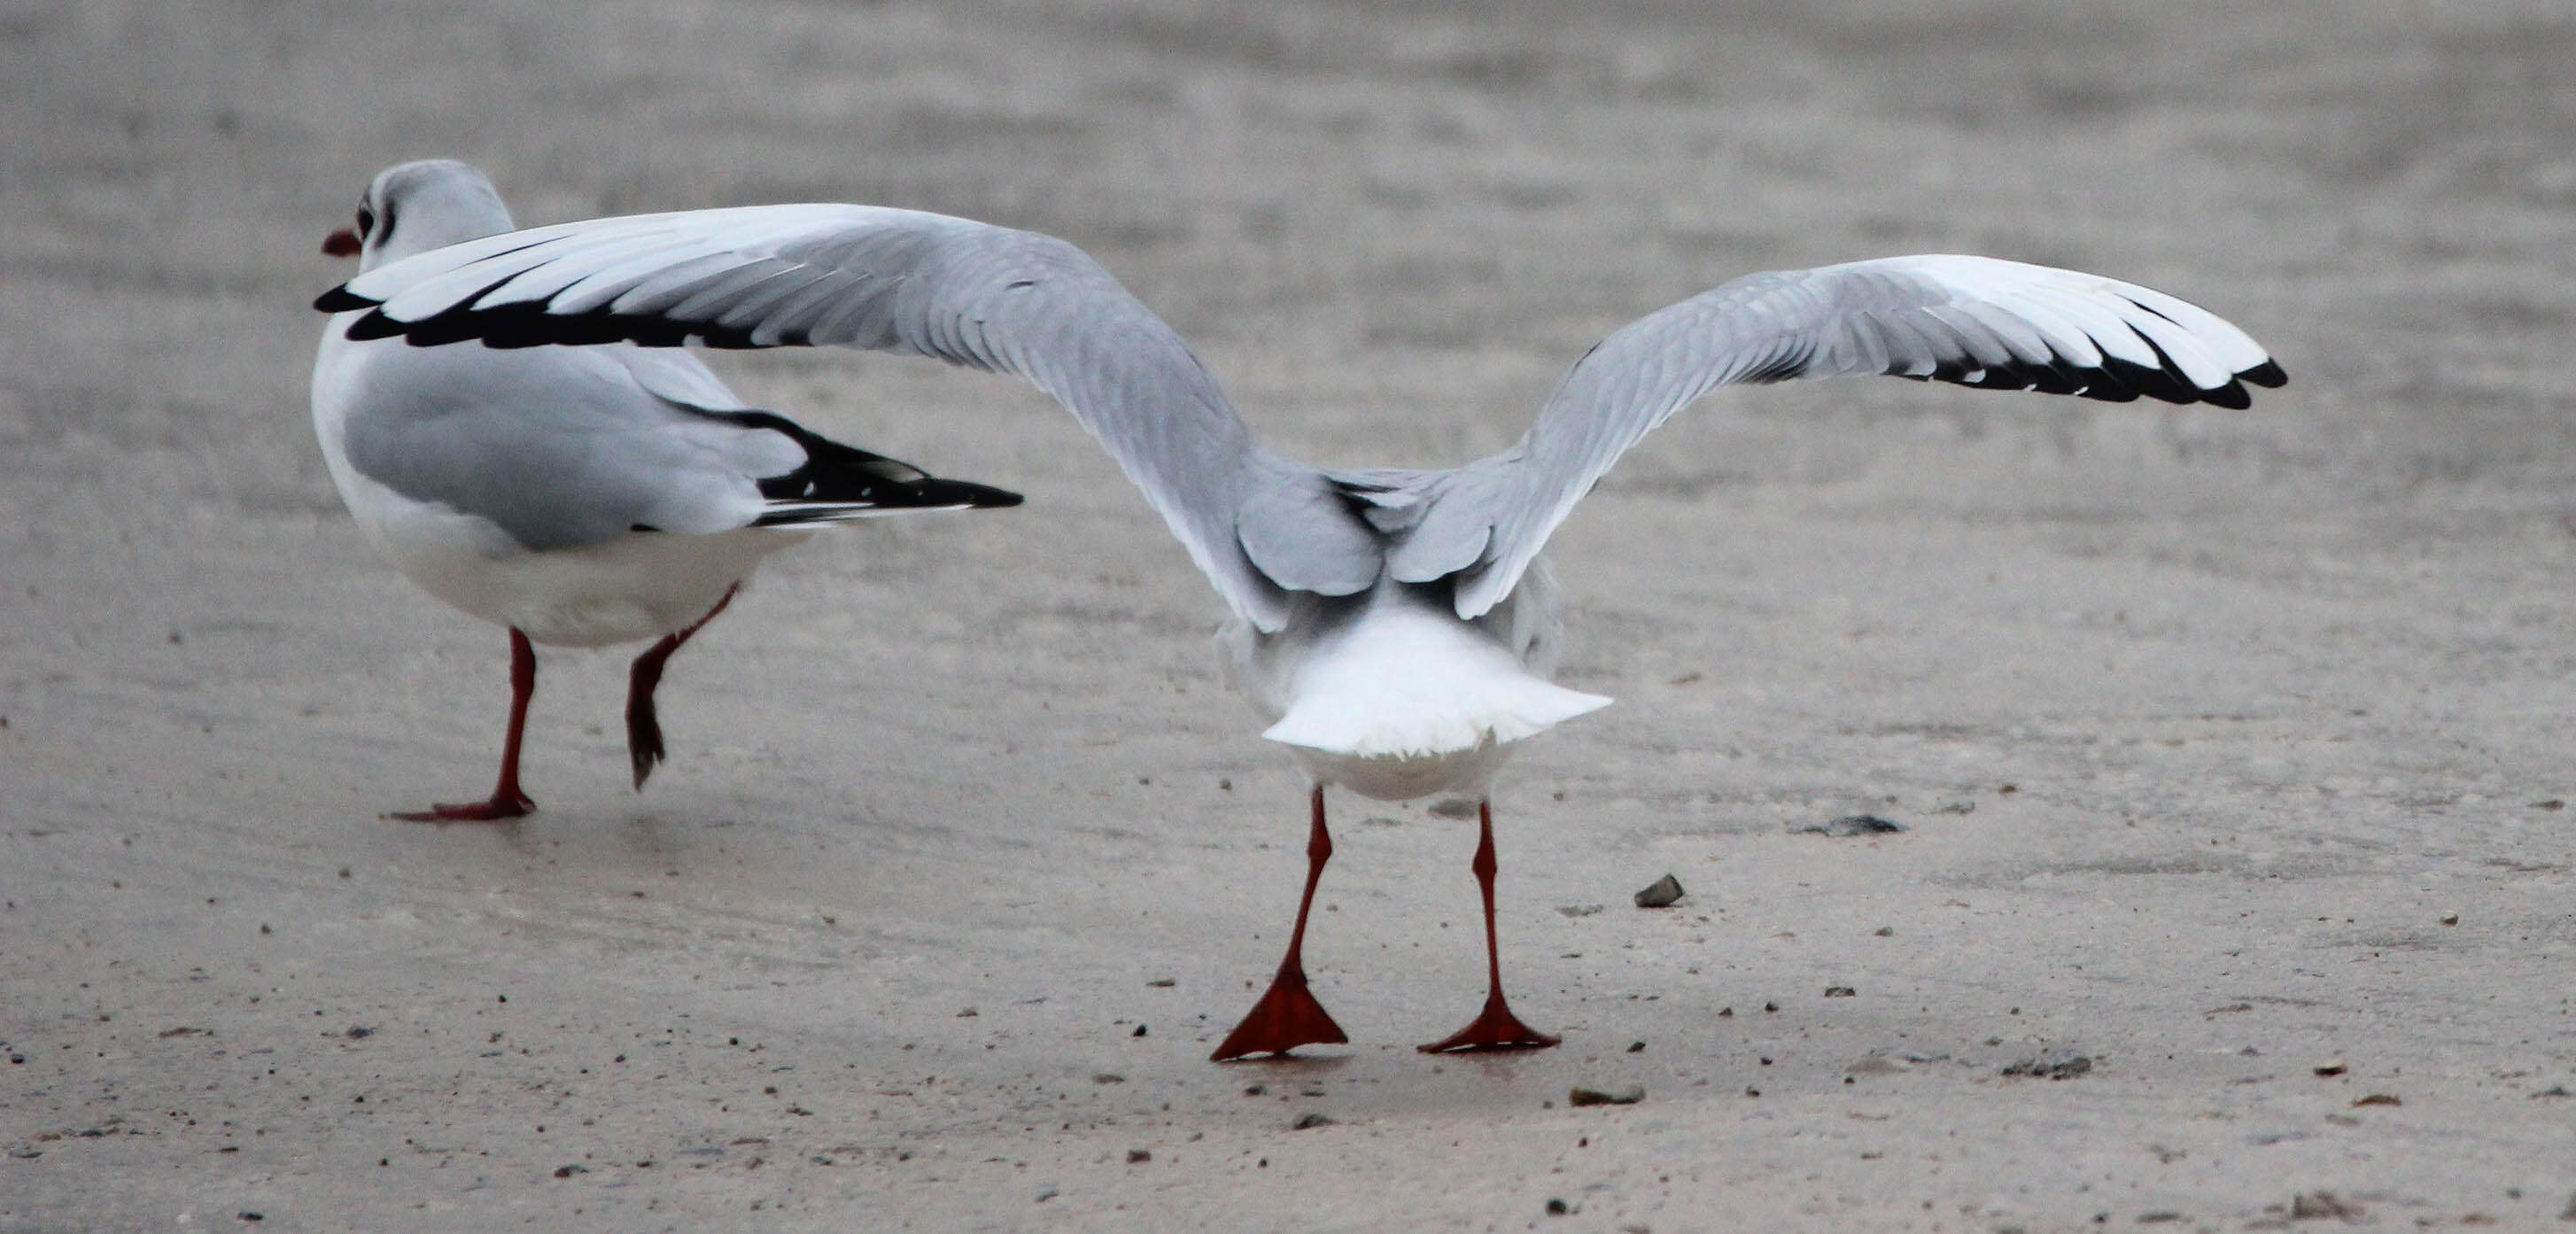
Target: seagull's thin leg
(1288, 1016)
(507, 801)
(1494, 1028)
(643, 727)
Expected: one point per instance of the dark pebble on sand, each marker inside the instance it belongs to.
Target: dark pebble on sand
(1661, 894)
(2051, 1065)
(1580, 1095)
(2315, 1205)
(1850, 825)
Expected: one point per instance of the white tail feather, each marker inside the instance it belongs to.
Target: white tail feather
(1410, 681)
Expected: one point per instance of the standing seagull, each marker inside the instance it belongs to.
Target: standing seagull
(1398, 626)
(578, 495)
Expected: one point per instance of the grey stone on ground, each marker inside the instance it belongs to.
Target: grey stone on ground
(1662, 893)
(2320, 1205)
(2051, 1065)
(1849, 826)
(1583, 1094)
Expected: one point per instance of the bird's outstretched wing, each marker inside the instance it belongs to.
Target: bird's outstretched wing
(975, 295)
(1974, 321)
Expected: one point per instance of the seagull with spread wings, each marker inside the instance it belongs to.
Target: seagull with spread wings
(1398, 626)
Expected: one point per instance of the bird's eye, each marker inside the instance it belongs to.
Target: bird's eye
(366, 220)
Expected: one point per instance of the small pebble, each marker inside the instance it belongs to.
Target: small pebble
(2312, 1205)
(1310, 1119)
(2051, 1065)
(1581, 1095)
(1662, 893)
(2332, 1066)
(1138, 1156)
(1840, 991)
(2450, 919)
(1850, 825)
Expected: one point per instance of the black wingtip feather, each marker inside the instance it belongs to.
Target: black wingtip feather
(2155, 383)
(2268, 375)
(938, 492)
(847, 475)
(513, 326)
(338, 300)
(2230, 396)
(376, 325)
(2115, 381)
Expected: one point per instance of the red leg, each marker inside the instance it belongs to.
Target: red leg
(1494, 1028)
(1288, 1016)
(507, 801)
(643, 727)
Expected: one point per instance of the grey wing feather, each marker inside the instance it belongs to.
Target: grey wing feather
(1968, 320)
(559, 447)
(983, 297)
(676, 376)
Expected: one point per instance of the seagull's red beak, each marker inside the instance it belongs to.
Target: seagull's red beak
(341, 243)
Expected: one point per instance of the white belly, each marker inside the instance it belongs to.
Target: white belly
(1403, 777)
(643, 585)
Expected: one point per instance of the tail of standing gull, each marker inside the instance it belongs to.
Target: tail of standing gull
(1407, 680)
(839, 483)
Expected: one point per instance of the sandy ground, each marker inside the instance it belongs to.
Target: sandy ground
(2204, 724)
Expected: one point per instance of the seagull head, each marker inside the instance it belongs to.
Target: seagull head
(415, 207)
